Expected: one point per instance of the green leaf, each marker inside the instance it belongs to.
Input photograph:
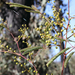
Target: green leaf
(18, 5)
(42, 41)
(32, 11)
(67, 59)
(27, 50)
(60, 39)
(71, 40)
(34, 8)
(23, 6)
(52, 59)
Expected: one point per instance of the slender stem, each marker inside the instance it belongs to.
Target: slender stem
(68, 22)
(63, 65)
(68, 31)
(70, 50)
(18, 47)
(14, 39)
(68, 14)
(11, 52)
(22, 57)
(30, 62)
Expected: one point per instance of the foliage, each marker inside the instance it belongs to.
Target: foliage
(46, 38)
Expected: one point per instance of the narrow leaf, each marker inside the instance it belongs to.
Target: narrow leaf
(18, 5)
(34, 8)
(32, 49)
(67, 59)
(52, 59)
(27, 50)
(71, 40)
(59, 39)
(32, 11)
(22, 50)
(42, 41)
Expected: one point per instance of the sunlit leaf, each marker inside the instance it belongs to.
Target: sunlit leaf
(32, 11)
(52, 59)
(42, 41)
(67, 59)
(18, 5)
(34, 8)
(60, 39)
(27, 50)
(71, 40)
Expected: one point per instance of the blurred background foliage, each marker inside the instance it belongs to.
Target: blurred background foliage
(15, 17)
